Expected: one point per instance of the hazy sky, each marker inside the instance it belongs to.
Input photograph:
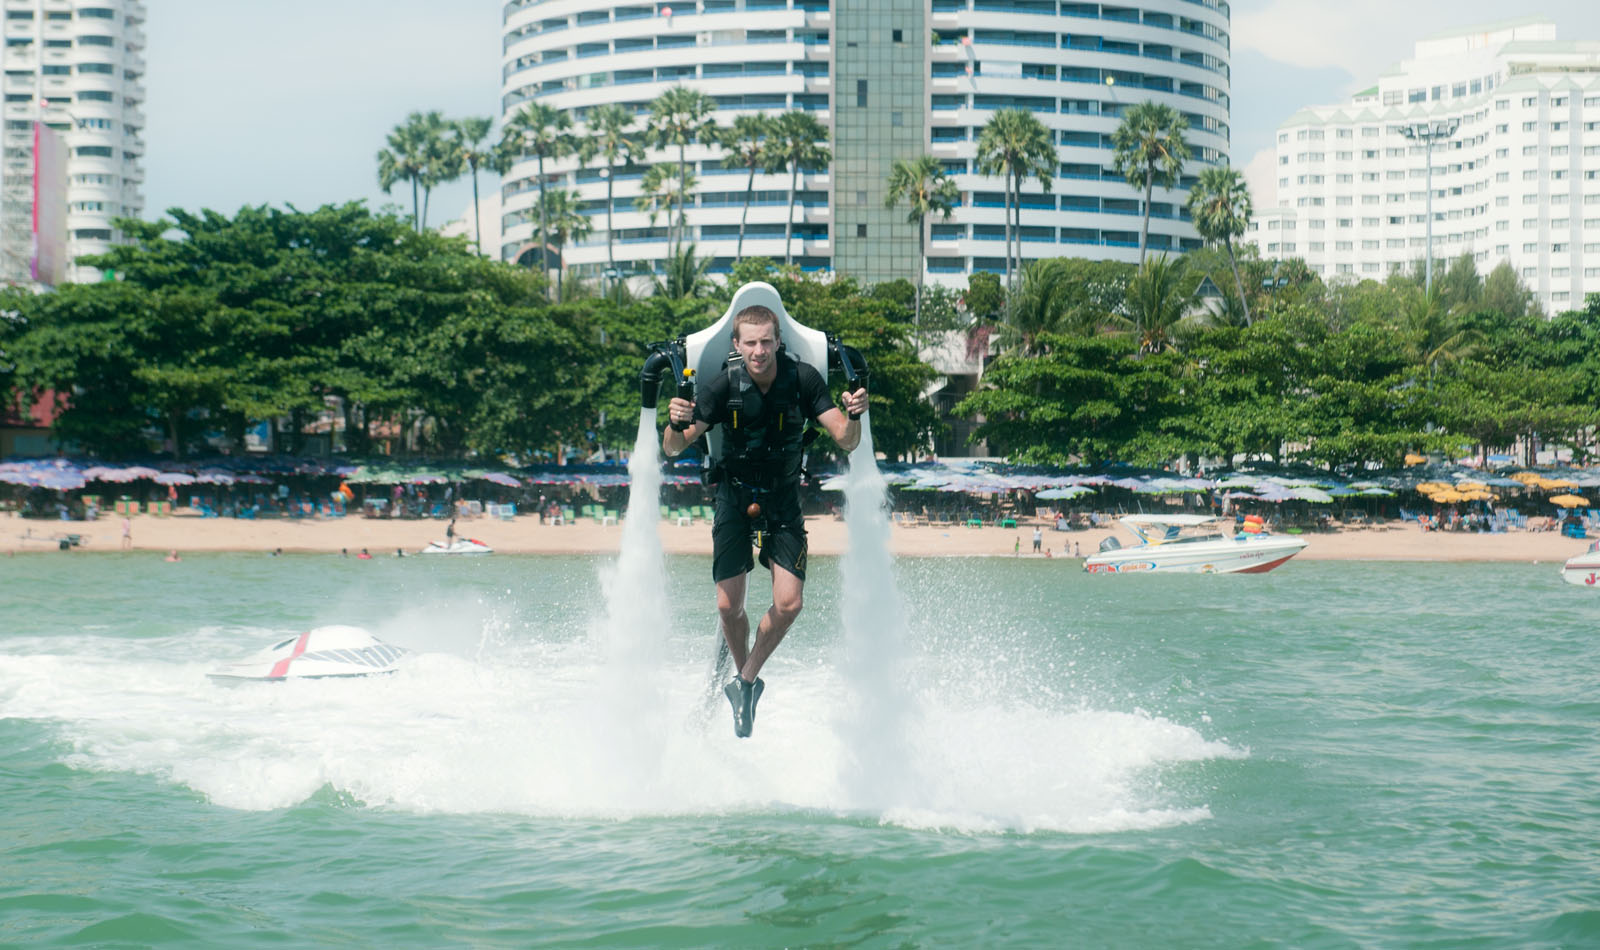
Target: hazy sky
(287, 102)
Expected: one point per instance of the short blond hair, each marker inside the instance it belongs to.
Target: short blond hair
(756, 315)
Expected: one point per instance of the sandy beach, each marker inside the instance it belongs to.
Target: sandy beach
(188, 532)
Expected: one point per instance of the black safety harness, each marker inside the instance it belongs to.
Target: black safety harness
(764, 438)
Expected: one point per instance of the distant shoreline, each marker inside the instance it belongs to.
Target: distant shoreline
(189, 533)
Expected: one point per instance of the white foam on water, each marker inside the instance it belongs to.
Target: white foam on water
(525, 735)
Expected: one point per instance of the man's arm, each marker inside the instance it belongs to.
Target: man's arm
(845, 430)
(674, 442)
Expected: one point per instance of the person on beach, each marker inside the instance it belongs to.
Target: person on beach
(172, 556)
(127, 535)
(1038, 538)
(763, 402)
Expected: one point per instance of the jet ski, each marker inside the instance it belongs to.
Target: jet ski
(457, 546)
(319, 653)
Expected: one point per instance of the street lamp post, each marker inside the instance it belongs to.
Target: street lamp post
(1428, 132)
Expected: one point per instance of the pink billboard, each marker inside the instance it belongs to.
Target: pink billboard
(49, 205)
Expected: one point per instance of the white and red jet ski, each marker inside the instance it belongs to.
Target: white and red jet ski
(319, 653)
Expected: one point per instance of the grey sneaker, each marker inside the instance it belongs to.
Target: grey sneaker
(743, 696)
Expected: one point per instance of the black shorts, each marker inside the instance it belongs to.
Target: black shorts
(731, 548)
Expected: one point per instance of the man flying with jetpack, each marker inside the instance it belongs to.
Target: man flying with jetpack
(763, 402)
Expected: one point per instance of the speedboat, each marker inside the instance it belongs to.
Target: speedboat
(1182, 544)
(319, 653)
(1583, 569)
(457, 546)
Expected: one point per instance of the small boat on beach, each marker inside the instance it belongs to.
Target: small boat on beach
(1583, 569)
(457, 546)
(318, 653)
(1187, 544)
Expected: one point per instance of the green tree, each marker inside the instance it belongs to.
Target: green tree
(746, 145)
(1219, 205)
(680, 117)
(926, 190)
(1148, 150)
(797, 144)
(1015, 145)
(1503, 291)
(542, 131)
(984, 298)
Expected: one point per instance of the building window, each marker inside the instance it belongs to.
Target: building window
(861, 93)
(899, 36)
(861, 230)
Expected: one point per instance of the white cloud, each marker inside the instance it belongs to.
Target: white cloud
(1261, 174)
(1366, 37)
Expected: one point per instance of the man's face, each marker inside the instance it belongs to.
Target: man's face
(758, 344)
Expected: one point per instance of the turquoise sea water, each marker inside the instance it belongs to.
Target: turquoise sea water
(1330, 755)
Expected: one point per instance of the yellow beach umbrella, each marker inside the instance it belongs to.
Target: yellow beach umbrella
(1526, 478)
(1471, 486)
(1447, 497)
(1569, 501)
(1557, 483)
(1414, 459)
(1428, 488)
(1478, 494)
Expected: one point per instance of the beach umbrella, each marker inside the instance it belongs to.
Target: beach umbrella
(498, 478)
(1447, 497)
(1071, 491)
(1478, 494)
(1376, 492)
(1313, 495)
(1569, 501)
(174, 478)
(1413, 459)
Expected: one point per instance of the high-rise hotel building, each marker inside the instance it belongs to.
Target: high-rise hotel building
(889, 79)
(1515, 120)
(75, 66)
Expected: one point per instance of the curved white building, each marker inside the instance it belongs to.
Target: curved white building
(1515, 172)
(76, 66)
(870, 71)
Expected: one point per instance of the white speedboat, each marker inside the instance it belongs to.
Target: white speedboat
(457, 546)
(1584, 569)
(1191, 544)
(319, 653)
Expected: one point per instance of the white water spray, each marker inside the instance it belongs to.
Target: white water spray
(630, 704)
(876, 771)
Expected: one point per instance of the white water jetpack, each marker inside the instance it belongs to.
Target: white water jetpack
(703, 354)
(319, 653)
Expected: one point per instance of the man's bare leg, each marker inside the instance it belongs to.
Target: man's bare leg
(788, 592)
(735, 622)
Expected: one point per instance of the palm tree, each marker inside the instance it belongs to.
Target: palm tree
(1015, 145)
(542, 131)
(565, 222)
(413, 154)
(678, 117)
(467, 141)
(746, 144)
(1434, 334)
(1042, 304)
(1149, 150)
(662, 190)
(611, 137)
(796, 145)
(1219, 205)
(685, 276)
(1160, 297)
(922, 184)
